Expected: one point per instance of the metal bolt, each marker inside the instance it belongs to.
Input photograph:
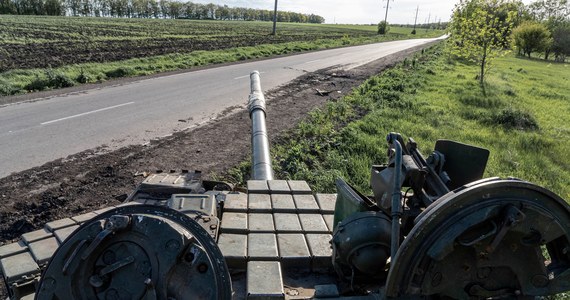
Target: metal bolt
(213, 226)
(202, 268)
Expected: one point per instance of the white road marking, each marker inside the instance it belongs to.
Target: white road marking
(87, 113)
(312, 61)
(244, 76)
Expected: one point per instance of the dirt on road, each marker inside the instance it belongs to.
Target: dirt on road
(91, 180)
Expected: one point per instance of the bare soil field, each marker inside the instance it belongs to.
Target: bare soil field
(40, 42)
(54, 54)
(89, 180)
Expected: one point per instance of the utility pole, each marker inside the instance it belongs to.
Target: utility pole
(416, 19)
(275, 19)
(386, 16)
(427, 28)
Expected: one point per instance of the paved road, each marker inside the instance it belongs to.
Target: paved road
(33, 133)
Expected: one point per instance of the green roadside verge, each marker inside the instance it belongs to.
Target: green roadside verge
(21, 81)
(522, 117)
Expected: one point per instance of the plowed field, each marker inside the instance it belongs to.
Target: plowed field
(48, 42)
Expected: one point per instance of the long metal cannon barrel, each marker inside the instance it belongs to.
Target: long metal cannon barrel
(261, 161)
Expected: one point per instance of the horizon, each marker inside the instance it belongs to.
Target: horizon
(357, 11)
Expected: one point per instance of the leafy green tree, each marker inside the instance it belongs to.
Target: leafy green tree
(479, 31)
(7, 7)
(531, 37)
(561, 42)
(383, 27)
(54, 8)
(224, 12)
(175, 9)
(553, 10)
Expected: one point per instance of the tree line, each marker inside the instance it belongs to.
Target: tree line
(149, 9)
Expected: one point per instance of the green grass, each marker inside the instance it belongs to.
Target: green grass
(78, 33)
(430, 98)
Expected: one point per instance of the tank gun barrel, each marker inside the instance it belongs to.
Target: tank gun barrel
(261, 161)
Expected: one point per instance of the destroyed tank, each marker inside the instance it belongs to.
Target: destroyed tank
(433, 228)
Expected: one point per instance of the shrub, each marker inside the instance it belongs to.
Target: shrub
(383, 27)
(60, 81)
(531, 37)
(512, 118)
(561, 42)
(6, 89)
(50, 80)
(82, 77)
(38, 84)
(119, 72)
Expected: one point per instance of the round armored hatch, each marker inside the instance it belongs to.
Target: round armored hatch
(137, 252)
(491, 239)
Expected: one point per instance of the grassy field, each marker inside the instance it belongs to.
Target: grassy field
(523, 118)
(38, 53)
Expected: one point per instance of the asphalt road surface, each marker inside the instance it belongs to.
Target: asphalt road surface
(35, 132)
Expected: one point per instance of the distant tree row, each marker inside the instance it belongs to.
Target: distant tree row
(149, 9)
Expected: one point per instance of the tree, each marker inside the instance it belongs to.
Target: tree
(544, 10)
(561, 42)
(479, 31)
(7, 7)
(54, 8)
(383, 27)
(531, 37)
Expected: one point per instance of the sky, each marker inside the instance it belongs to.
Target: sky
(356, 11)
